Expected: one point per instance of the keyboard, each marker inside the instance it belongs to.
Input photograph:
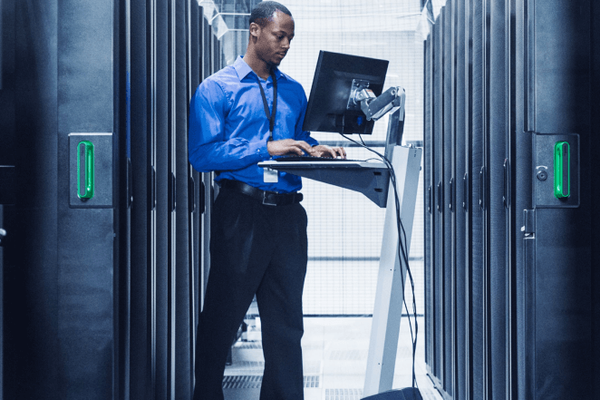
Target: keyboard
(312, 158)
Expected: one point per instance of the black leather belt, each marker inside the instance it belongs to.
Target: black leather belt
(264, 196)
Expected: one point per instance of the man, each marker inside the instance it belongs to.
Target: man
(244, 114)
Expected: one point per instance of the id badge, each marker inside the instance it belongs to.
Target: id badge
(270, 175)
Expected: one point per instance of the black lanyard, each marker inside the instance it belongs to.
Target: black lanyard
(270, 115)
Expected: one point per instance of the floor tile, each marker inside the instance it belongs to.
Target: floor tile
(335, 361)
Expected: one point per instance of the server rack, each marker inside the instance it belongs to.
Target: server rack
(512, 284)
(102, 292)
(167, 50)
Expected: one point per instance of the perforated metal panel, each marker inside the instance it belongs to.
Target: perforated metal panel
(255, 381)
(343, 394)
(509, 97)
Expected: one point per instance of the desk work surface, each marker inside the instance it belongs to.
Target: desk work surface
(368, 177)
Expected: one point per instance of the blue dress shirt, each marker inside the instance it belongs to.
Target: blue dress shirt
(229, 130)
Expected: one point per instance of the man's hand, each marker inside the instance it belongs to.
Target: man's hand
(287, 147)
(326, 151)
(301, 148)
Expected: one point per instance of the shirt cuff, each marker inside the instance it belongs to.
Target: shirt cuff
(313, 142)
(260, 149)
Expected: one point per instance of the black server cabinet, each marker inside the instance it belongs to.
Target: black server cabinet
(495, 217)
(165, 56)
(447, 142)
(2, 236)
(59, 308)
(511, 97)
(555, 292)
(460, 203)
(595, 194)
(7, 139)
(101, 258)
(428, 238)
(478, 200)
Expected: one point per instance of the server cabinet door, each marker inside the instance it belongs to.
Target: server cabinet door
(497, 229)
(476, 211)
(142, 332)
(437, 233)
(85, 224)
(429, 209)
(2, 236)
(460, 202)
(448, 161)
(60, 290)
(557, 260)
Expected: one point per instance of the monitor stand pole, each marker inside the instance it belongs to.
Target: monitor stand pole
(392, 276)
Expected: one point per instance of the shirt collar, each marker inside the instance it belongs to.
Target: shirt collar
(242, 69)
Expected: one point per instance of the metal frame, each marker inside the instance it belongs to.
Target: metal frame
(389, 296)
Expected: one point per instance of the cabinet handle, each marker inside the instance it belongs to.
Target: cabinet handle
(85, 169)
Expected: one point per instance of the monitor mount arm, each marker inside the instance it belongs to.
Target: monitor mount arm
(375, 107)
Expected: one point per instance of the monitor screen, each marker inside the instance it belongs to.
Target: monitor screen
(328, 108)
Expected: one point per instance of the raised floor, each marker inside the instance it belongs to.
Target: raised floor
(335, 360)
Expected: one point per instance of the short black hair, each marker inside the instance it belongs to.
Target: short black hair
(265, 10)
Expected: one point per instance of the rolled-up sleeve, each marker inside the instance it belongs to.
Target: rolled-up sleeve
(209, 147)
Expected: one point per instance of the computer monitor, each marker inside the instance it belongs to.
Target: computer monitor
(328, 107)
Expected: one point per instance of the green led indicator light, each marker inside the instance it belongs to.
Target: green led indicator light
(85, 169)
(562, 170)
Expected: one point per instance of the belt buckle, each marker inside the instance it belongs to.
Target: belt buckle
(265, 201)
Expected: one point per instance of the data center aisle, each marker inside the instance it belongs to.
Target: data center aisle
(335, 357)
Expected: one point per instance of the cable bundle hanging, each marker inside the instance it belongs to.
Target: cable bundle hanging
(402, 255)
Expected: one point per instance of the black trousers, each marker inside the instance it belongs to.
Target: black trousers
(255, 249)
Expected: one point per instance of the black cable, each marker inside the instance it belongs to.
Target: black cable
(402, 256)
(362, 142)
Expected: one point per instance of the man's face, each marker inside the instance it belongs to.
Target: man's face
(273, 40)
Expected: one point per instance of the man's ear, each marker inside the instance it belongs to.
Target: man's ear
(254, 30)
